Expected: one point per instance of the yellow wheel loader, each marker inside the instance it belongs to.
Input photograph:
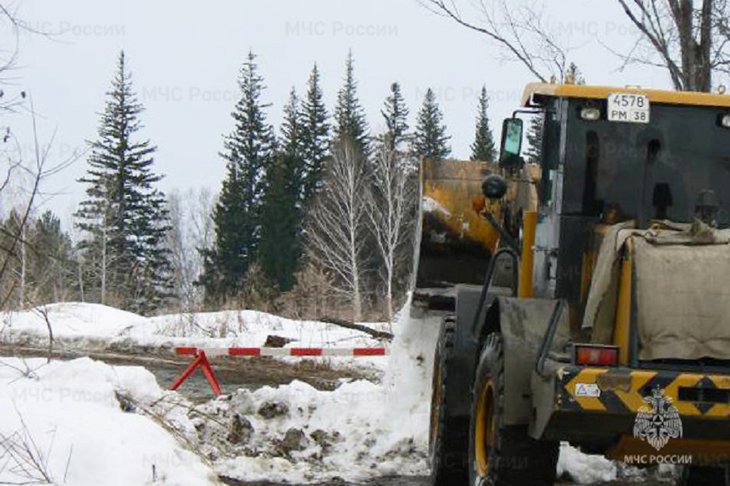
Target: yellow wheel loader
(585, 294)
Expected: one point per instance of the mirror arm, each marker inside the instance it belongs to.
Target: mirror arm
(527, 111)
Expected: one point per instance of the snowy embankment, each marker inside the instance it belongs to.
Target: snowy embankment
(361, 430)
(293, 433)
(81, 422)
(97, 328)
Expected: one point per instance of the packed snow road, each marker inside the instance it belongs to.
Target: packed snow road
(233, 373)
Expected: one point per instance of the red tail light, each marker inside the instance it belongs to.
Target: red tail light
(595, 355)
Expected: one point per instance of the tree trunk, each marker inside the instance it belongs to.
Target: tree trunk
(81, 280)
(357, 327)
(103, 266)
(389, 298)
(356, 298)
(22, 266)
(694, 35)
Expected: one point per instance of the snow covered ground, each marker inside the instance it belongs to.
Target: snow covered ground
(74, 411)
(65, 423)
(94, 327)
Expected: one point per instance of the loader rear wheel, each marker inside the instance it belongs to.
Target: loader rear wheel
(447, 434)
(499, 454)
(705, 476)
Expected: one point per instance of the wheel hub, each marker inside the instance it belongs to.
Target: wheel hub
(484, 429)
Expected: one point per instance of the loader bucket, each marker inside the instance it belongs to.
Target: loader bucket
(454, 241)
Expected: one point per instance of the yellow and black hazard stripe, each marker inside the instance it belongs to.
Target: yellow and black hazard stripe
(622, 391)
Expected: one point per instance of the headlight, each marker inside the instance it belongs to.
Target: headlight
(725, 120)
(592, 114)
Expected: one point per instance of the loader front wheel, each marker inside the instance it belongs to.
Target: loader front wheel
(500, 454)
(447, 433)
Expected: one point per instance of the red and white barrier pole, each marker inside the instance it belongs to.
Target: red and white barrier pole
(278, 352)
(201, 360)
(202, 354)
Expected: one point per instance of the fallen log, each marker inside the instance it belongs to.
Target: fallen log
(357, 327)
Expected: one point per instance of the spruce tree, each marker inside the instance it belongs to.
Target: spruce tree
(573, 75)
(313, 136)
(534, 140)
(292, 127)
(281, 211)
(430, 139)
(279, 248)
(51, 270)
(247, 151)
(350, 120)
(13, 258)
(124, 215)
(483, 146)
(395, 113)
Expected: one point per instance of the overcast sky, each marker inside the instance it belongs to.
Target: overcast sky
(185, 57)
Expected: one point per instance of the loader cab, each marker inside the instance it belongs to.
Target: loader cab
(606, 317)
(616, 154)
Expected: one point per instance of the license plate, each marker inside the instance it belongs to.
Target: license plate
(629, 108)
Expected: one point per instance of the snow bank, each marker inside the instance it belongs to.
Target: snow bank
(94, 327)
(249, 328)
(583, 468)
(69, 416)
(73, 320)
(296, 433)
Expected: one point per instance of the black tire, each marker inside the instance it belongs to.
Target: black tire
(447, 434)
(705, 476)
(499, 454)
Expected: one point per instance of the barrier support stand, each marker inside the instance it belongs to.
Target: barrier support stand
(201, 360)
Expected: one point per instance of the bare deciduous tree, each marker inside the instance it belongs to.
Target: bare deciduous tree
(23, 176)
(392, 215)
(688, 38)
(176, 242)
(338, 223)
(191, 230)
(519, 29)
(11, 26)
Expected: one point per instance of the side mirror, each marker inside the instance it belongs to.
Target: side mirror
(509, 152)
(494, 187)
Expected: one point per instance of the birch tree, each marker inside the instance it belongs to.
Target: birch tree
(391, 215)
(338, 220)
(191, 225)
